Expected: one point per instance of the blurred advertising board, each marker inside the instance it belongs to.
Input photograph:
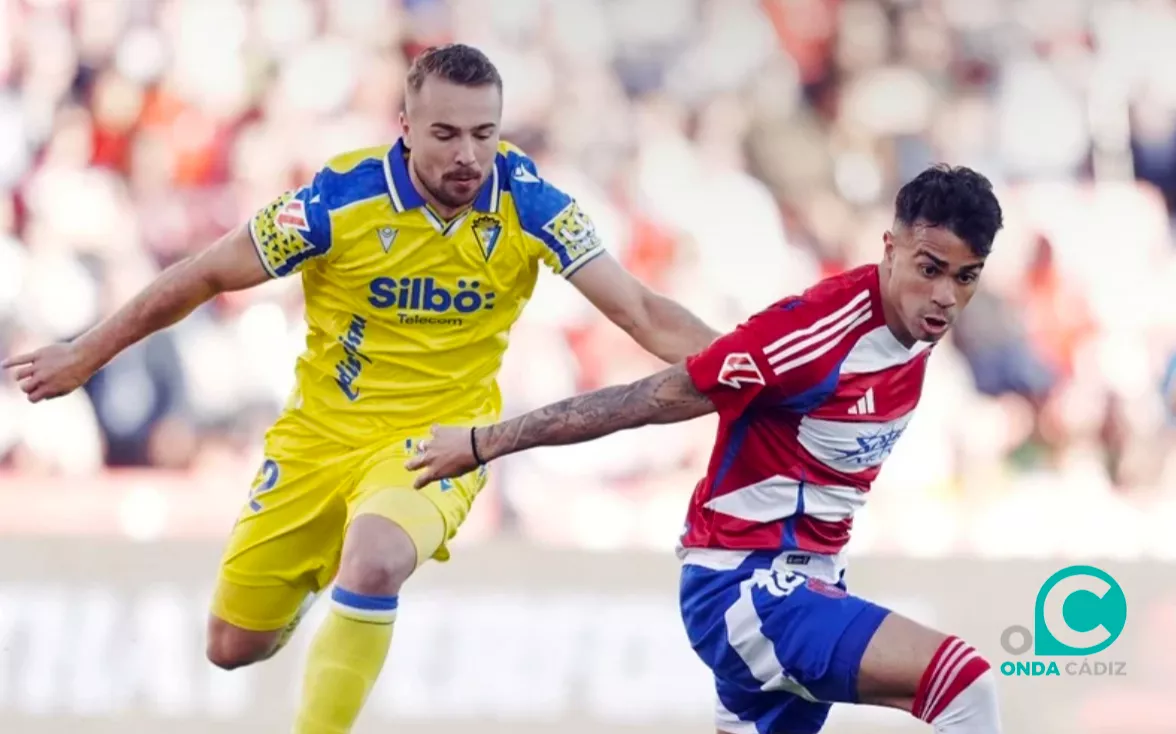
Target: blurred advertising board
(104, 635)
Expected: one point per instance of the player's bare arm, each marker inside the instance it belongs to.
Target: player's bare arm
(662, 326)
(666, 397)
(230, 264)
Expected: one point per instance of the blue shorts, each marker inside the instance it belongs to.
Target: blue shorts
(782, 645)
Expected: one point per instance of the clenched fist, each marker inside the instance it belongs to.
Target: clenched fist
(51, 371)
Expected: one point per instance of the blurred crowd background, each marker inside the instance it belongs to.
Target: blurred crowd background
(731, 152)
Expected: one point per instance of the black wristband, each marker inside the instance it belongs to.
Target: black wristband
(474, 448)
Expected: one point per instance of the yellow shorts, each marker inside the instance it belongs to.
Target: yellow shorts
(289, 536)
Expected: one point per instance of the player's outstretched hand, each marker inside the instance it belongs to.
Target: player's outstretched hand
(447, 453)
(49, 372)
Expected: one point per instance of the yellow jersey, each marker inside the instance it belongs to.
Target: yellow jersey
(408, 315)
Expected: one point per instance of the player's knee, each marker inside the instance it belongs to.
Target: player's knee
(225, 657)
(958, 688)
(230, 647)
(378, 557)
(370, 574)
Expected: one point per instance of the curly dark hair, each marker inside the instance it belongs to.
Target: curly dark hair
(956, 198)
(456, 63)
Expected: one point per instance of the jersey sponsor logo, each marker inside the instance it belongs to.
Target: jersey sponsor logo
(850, 446)
(487, 230)
(740, 369)
(292, 215)
(425, 296)
(348, 369)
(574, 230)
(872, 449)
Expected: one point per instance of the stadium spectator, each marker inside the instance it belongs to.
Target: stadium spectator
(730, 151)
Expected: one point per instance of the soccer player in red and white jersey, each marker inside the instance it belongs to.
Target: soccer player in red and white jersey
(812, 394)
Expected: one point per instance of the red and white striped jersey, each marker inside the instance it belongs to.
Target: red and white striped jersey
(812, 395)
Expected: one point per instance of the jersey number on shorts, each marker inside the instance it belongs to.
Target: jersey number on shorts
(265, 481)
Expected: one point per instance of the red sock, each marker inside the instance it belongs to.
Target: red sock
(953, 668)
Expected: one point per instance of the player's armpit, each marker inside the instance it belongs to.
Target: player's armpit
(666, 397)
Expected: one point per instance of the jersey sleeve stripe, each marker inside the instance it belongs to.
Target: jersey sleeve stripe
(833, 336)
(588, 257)
(793, 336)
(260, 252)
(814, 338)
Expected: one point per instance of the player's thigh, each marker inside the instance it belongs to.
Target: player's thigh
(286, 541)
(781, 645)
(895, 660)
(430, 516)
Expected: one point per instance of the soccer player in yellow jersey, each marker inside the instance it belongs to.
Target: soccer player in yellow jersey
(415, 260)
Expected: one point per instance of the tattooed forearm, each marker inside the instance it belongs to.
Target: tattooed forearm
(667, 397)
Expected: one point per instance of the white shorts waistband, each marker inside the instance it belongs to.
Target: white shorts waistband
(822, 566)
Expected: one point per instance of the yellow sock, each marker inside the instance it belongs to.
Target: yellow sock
(345, 660)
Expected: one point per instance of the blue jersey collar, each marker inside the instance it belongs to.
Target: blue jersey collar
(406, 197)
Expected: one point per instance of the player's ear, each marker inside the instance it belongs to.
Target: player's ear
(888, 243)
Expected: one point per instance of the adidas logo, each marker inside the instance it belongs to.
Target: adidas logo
(864, 405)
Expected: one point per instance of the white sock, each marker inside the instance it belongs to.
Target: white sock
(973, 711)
(958, 692)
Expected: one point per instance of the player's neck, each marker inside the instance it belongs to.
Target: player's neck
(900, 334)
(445, 212)
(889, 312)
